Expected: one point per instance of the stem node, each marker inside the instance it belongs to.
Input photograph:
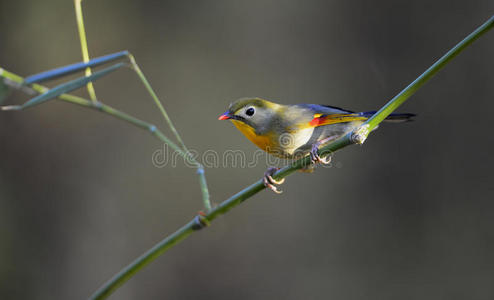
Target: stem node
(97, 105)
(200, 222)
(360, 134)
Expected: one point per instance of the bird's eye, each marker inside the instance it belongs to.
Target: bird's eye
(250, 111)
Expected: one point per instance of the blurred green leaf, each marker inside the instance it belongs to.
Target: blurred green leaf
(70, 86)
(67, 70)
(64, 88)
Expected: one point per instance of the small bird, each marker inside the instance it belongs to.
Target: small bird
(294, 131)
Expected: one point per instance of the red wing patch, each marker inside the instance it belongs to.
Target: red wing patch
(320, 120)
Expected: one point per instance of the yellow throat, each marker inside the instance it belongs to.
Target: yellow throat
(262, 141)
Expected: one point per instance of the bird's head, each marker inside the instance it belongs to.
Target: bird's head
(256, 113)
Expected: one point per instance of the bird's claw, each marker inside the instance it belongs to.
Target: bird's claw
(315, 158)
(270, 182)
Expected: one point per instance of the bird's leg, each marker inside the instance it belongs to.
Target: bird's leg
(270, 182)
(314, 157)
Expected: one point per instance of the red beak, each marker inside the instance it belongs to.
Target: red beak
(224, 116)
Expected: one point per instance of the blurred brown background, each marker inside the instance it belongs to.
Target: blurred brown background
(409, 215)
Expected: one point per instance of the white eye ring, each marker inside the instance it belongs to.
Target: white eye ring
(250, 111)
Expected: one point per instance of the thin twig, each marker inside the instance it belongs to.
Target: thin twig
(156, 100)
(200, 168)
(84, 48)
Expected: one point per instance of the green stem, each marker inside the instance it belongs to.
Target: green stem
(258, 186)
(204, 188)
(200, 169)
(398, 100)
(157, 101)
(153, 253)
(84, 48)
